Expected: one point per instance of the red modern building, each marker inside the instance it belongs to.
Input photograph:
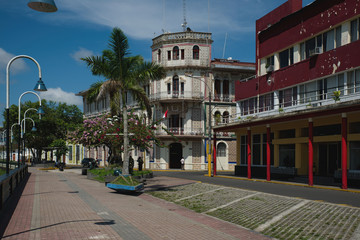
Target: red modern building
(299, 117)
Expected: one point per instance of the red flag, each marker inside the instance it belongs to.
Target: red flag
(165, 114)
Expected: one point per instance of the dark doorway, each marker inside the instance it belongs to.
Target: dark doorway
(175, 155)
(329, 158)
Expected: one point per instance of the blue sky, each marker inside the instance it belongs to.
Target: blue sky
(82, 28)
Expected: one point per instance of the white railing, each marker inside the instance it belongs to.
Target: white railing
(225, 134)
(177, 95)
(181, 131)
(223, 97)
(295, 105)
(203, 62)
(96, 113)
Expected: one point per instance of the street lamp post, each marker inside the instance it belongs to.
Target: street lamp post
(38, 87)
(3, 143)
(209, 128)
(11, 137)
(40, 111)
(23, 132)
(29, 109)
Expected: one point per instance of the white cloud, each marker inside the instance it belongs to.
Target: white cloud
(58, 95)
(144, 19)
(81, 53)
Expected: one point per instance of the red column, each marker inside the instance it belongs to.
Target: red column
(311, 153)
(214, 156)
(344, 151)
(268, 153)
(249, 152)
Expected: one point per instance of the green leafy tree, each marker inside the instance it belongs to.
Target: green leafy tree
(57, 121)
(124, 74)
(61, 148)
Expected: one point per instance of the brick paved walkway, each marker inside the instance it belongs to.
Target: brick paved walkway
(66, 205)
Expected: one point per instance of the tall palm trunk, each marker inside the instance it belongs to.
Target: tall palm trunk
(126, 137)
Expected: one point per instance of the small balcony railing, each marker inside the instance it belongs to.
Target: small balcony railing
(181, 131)
(190, 95)
(224, 97)
(325, 99)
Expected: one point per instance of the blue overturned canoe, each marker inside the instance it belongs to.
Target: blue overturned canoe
(120, 187)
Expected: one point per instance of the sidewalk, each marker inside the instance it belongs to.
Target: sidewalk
(66, 205)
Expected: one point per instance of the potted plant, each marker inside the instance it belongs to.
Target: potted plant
(336, 95)
(217, 118)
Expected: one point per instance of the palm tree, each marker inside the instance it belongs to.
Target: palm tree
(124, 74)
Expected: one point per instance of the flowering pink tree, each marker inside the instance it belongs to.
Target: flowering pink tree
(108, 131)
(91, 133)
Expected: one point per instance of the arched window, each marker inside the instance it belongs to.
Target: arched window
(196, 52)
(176, 53)
(159, 55)
(226, 117)
(221, 150)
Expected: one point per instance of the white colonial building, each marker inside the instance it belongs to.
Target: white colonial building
(184, 95)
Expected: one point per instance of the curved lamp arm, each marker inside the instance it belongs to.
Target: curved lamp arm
(19, 106)
(11, 131)
(23, 121)
(8, 75)
(34, 109)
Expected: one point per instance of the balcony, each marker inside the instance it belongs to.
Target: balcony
(96, 112)
(223, 98)
(308, 103)
(225, 134)
(188, 62)
(174, 96)
(179, 131)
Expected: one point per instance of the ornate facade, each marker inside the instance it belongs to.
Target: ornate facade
(191, 79)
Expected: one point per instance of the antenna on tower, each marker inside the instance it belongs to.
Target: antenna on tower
(184, 24)
(164, 16)
(223, 56)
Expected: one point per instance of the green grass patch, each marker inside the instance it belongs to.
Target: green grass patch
(141, 173)
(102, 173)
(110, 172)
(2, 171)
